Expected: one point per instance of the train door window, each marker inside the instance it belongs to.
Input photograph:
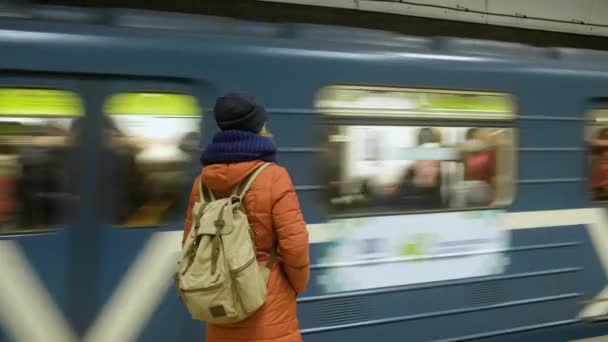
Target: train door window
(396, 150)
(150, 146)
(35, 127)
(597, 139)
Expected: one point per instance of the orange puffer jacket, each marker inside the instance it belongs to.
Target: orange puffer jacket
(272, 209)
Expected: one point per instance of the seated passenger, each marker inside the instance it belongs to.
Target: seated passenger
(420, 186)
(599, 170)
(471, 193)
(189, 145)
(8, 171)
(331, 166)
(479, 160)
(39, 186)
(119, 193)
(600, 141)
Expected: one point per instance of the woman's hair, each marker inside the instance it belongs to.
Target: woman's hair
(471, 132)
(265, 132)
(428, 135)
(603, 133)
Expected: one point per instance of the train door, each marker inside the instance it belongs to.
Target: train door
(39, 201)
(150, 133)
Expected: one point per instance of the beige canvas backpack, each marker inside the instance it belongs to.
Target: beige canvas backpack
(218, 277)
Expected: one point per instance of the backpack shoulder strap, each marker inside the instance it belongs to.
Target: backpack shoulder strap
(205, 195)
(240, 191)
(242, 188)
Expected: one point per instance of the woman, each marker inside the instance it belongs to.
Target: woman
(480, 159)
(420, 186)
(480, 168)
(272, 209)
(599, 168)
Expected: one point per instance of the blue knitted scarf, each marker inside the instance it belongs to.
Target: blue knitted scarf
(237, 146)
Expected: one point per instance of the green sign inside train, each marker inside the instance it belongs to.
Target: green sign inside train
(466, 102)
(152, 104)
(39, 102)
(353, 97)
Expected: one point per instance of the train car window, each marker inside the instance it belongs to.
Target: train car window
(35, 138)
(597, 141)
(396, 150)
(150, 149)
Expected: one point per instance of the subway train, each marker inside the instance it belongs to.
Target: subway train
(454, 189)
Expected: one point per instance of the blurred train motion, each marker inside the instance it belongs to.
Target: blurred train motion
(454, 189)
(39, 142)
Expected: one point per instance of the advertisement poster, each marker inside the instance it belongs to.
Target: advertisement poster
(375, 252)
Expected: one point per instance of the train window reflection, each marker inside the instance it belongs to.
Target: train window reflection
(35, 140)
(150, 148)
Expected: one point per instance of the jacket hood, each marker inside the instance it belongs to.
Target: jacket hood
(223, 178)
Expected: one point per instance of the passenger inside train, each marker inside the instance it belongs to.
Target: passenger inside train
(414, 168)
(31, 165)
(420, 186)
(117, 167)
(599, 165)
(148, 144)
(479, 159)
